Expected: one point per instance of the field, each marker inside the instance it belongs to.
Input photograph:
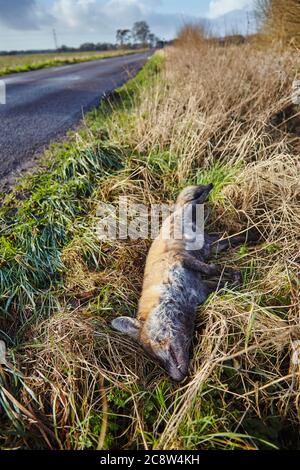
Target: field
(198, 113)
(25, 63)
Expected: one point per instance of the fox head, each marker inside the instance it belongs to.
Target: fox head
(164, 340)
(194, 195)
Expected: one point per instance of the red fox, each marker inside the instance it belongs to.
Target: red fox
(177, 279)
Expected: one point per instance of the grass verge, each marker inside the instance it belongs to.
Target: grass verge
(69, 382)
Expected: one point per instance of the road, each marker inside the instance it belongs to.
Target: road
(42, 105)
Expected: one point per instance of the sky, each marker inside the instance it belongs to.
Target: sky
(29, 24)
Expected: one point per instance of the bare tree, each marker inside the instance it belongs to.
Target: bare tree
(141, 32)
(123, 36)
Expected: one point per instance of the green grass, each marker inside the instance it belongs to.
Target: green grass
(220, 175)
(29, 62)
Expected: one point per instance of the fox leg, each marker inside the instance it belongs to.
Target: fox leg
(210, 270)
(222, 245)
(194, 264)
(213, 286)
(218, 284)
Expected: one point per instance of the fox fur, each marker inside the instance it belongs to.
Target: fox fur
(176, 280)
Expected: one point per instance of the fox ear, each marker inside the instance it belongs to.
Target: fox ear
(127, 325)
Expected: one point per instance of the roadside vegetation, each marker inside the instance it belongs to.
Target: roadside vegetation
(27, 62)
(196, 113)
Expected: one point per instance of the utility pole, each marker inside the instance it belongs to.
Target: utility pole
(248, 23)
(55, 38)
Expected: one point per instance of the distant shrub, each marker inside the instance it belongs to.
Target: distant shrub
(192, 35)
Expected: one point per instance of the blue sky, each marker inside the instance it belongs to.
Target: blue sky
(192, 7)
(28, 24)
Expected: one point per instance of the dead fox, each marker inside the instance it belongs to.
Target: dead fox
(177, 279)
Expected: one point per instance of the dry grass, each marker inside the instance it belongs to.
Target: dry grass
(195, 34)
(220, 114)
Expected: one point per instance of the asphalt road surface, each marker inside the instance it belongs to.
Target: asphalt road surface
(42, 105)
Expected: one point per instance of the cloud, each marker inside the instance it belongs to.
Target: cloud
(23, 15)
(221, 7)
(79, 16)
(93, 16)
